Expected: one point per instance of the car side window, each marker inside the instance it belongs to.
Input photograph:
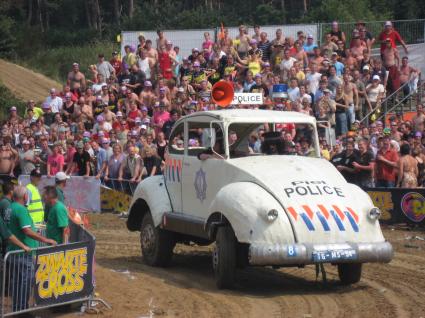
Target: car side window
(200, 135)
(176, 144)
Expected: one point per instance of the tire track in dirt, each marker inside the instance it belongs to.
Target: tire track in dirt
(187, 289)
(25, 83)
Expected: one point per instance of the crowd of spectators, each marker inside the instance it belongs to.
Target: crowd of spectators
(113, 120)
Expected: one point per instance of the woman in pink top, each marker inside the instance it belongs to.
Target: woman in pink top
(55, 162)
(207, 45)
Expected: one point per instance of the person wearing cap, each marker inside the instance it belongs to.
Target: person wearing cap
(199, 75)
(393, 35)
(309, 45)
(57, 220)
(160, 116)
(129, 57)
(147, 97)
(76, 79)
(386, 165)
(54, 101)
(34, 204)
(60, 184)
(375, 92)
(116, 62)
(80, 162)
(104, 67)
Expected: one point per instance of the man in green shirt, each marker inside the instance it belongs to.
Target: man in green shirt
(60, 180)
(6, 201)
(22, 266)
(58, 221)
(5, 212)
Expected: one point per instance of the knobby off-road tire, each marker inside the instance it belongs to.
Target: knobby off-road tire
(349, 273)
(224, 257)
(157, 245)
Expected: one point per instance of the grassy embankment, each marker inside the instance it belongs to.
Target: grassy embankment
(57, 62)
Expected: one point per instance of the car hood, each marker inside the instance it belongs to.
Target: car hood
(320, 204)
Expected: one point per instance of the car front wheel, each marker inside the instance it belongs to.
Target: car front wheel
(224, 257)
(157, 245)
(349, 273)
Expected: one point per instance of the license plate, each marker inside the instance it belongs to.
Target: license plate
(335, 255)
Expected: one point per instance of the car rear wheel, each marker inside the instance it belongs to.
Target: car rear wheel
(157, 245)
(349, 273)
(224, 257)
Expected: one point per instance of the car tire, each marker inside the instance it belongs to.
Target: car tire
(224, 257)
(349, 273)
(157, 245)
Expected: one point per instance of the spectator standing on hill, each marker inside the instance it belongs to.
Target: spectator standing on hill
(393, 35)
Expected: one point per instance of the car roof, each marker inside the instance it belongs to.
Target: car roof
(252, 116)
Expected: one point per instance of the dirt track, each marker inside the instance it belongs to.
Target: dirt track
(187, 289)
(25, 83)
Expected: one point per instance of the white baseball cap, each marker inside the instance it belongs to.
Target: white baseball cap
(376, 77)
(61, 176)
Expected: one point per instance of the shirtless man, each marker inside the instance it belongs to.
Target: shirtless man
(317, 56)
(391, 61)
(242, 42)
(75, 78)
(358, 48)
(147, 96)
(151, 52)
(161, 40)
(350, 61)
(84, 112)
(8, 157)
(407, 74)
(352, 96)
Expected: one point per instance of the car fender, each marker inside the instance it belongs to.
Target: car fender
(245, 206)
(150, 196)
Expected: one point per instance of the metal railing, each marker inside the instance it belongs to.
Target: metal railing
(121, 185)
(21, 272)
(412, 31)
(391, 102)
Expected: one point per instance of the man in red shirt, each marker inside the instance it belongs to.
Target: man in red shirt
(116, 63)
(393, 35)
(386, 165)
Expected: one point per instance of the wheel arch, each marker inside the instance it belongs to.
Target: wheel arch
(136, 214)
(214, 221)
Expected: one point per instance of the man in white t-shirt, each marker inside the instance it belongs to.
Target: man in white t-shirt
(313, 78)
(104, 67)
(286, 64)
(54, 101)
(293, 90)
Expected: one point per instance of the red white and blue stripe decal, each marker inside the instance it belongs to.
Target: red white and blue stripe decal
(342, 217)
(173, 170)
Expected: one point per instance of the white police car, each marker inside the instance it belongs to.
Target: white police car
(279, 204)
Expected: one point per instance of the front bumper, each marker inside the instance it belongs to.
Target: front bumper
(303, 254)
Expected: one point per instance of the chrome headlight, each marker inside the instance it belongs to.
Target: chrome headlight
(374, 213)
(272, 215)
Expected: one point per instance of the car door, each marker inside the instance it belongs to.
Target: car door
(173, 167)
(201, 179)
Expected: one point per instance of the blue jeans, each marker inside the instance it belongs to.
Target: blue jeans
(351, 115)
(341, 124)
(22, 267)
(385, 184)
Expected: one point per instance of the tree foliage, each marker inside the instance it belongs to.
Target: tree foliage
(51, 23)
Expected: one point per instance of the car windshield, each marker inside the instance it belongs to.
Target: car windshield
(251, 139)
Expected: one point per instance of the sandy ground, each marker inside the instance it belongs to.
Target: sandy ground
(186, 289)
(25, 83)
